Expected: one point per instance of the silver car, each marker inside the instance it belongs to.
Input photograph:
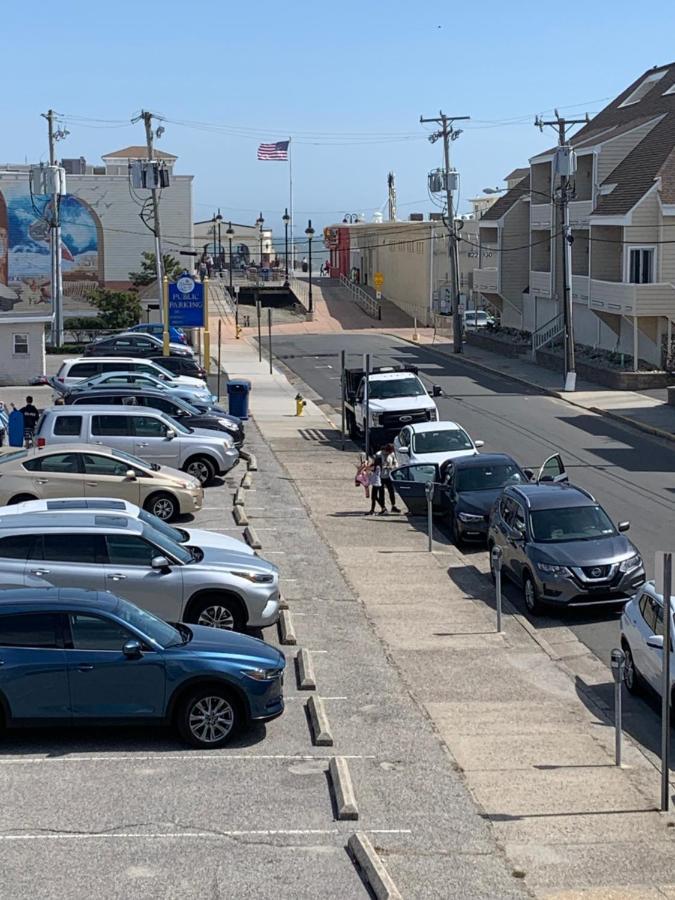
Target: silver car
(107, 552)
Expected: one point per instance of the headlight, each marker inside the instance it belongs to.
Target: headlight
(433, 415)
(261, 674)
(629, 564)
(256, 577)
(553, 570)
(469, 517)
(375, 418)
(227, 425)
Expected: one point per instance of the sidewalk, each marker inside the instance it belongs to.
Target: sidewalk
(524, 738)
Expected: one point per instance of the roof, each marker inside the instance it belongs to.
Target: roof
(391, 376)
(517, 173)
(509, 199)
(552, 495)
(483, 459)
(82, 519)
(76, 447)
(97, 407)
(137, 151)
(51, 596)
(435, 426)
(38, 507)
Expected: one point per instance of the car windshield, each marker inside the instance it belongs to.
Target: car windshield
(439, 441)
(176, 425)
(167, 545)
(488, 478)
(163, 371)
(173, 534)
(188, 407)
(161, 632)
(398, 387)
(576, 523)
(129, 458)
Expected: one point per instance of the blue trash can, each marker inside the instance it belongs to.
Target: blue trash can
(238, 391)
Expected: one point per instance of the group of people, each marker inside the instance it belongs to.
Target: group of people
(374, 475)
(30, 414)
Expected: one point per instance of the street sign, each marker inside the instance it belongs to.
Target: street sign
(186, 303)
(378, 280)
(378, 295)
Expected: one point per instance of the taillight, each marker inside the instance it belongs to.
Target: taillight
(40, 442)
(62, 380)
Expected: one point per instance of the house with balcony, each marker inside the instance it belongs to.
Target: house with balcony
(622, 216)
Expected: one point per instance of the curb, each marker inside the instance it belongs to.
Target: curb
(286, 629)
(252, 463)
(246, 481)
(305, 671)
(239, 499)
(343, 790)
(250, 534)
(642, 426)
(321, 733)
(372, 868)
(240, 516)
(245, 455)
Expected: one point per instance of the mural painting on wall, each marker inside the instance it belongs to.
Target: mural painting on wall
(25, 259)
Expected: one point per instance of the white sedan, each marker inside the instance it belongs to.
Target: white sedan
(642, 639)
(433, 442)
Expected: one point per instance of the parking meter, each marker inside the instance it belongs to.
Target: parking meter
(429, 491)
(496, 557)
(618, 666)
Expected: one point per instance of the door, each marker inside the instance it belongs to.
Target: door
(112, 430)
(67, 559)
(649, 660)
(151, 441)
(129, 573)
(33, 666)
(516, 538)
(104, 683)
(15, 552)
(553, 469)
(106, 476)
(403, 444)
(54, 475)
(409, 483)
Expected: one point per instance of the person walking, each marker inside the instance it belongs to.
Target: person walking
(30, 416)
(388, 461)
(376, 489)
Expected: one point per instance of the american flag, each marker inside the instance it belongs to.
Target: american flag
(279, 150)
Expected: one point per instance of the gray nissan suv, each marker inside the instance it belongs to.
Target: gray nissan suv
(562, 548)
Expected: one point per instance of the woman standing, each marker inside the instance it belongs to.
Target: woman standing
(388, 462)
(376, 489)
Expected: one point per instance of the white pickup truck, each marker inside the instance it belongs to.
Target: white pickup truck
(395, 396)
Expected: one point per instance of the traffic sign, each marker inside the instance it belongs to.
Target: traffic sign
(378, 280)
(186, 303)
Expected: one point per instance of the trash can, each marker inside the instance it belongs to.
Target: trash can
(237, 396)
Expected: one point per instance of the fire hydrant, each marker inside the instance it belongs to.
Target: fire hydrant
(239, 330)
(300, 404)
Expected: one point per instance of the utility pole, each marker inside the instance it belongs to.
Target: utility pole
(448, 133)
(147, 118)
(391, 196)
(564, 166)
(55, 235)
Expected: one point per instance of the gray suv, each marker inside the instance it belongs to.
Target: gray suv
(101, 551)
(562, 548)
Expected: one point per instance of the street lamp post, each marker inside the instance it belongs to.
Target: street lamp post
(286, 219)
(260, 222)
(350, 218)
(309, 231)
(229, 233)
(219, 219)
(215, 235)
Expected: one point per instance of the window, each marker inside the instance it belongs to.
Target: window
(41, 630)
(20, 344)
(643, 88)
(518, 523)
(160, 403)
(103, 465)
(18, 546)
(653, 615)
(55, 462)
(95, 633)
(420, 474)
(84, 370)
(641, 265)
(129, 550)
(69, 426)
(71, 548)
(112, 426)
(147, 426)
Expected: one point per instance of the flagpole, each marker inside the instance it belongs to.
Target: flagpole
(290, 202)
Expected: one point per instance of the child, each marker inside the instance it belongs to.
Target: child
(363, 476)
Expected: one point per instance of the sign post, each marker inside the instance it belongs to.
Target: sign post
(220, 331)
(342, 398)
(618, 662)
(497, 556)
(165, 316)
(207, 332)
(664, 578)
(378, 280)
(429, 491)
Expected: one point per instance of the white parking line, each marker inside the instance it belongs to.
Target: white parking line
(297, 757)
(191, 835)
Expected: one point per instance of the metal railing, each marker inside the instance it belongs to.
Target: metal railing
(367, 303)
(548, 332)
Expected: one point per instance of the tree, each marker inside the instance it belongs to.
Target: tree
(117, 309)
(148, 272)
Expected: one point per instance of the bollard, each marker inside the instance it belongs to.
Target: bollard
(415, 336)
(496, 554)
(618, 663)
(429, 491)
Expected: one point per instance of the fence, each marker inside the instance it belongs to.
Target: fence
(369, 305)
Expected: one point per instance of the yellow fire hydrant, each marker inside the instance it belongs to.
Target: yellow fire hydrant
(239, 330)
(300, 404)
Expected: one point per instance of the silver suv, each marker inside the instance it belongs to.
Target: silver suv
(143, 432)
(107, 552)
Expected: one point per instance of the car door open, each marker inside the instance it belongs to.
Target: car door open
(552, 469)
(409, 483)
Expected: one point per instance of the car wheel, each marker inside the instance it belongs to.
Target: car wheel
(532, 601)
(164, 506)
(218, 612)
(208, 717)
(201, 468)
(353, 430)
(20, 498)
(631, 674)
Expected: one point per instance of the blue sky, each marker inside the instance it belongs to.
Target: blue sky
(342, 77)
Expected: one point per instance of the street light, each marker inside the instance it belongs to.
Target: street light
(215, 234)
(309, 231)
(260, 222)
(286, 219)
(350, 218)
(229, 233)
(219, 219)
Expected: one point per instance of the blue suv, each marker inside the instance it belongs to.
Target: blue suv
(69, 656)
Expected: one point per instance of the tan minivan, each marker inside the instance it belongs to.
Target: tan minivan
(80, 470)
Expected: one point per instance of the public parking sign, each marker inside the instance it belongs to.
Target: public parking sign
(186, 303)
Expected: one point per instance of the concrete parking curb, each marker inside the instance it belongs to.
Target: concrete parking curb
(246, 481)
(252, 463)
(286, 628)
(343, 790)
(239, 497)
(250, 534)
(372, 868)
(245, 455)
(305, 667)
(240, 516)
(321, 733)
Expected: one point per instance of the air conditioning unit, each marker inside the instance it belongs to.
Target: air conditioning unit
(416, 217)
(435, 217)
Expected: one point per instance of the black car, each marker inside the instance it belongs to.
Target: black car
(214, 417)
(180, 365)
(465, 489)
(134, 344)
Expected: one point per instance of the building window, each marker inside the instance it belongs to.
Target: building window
(643, 88)
(20, 342)
(641, 265)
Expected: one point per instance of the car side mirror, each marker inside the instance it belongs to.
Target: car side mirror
(479, 444)
(655, 642)
(436, 390)
(170, 434)
(132, 649)
(404, 450)
(130, 475)
(160, 562)
(528, 473)
(623, 526)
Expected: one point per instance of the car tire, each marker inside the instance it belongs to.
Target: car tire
(632, 676)
(218, 611)
(351, 427)
(201, 468)
(208, 717)
(530, 597)
(163, 505)
(20, 498)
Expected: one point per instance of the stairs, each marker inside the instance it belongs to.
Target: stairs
(547, 333)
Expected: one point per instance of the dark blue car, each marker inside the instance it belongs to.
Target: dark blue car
(69, 656)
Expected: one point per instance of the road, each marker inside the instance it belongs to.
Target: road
(630, 473)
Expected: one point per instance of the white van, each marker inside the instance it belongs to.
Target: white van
(83, 367)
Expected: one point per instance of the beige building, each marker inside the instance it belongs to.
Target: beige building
(622, 216)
